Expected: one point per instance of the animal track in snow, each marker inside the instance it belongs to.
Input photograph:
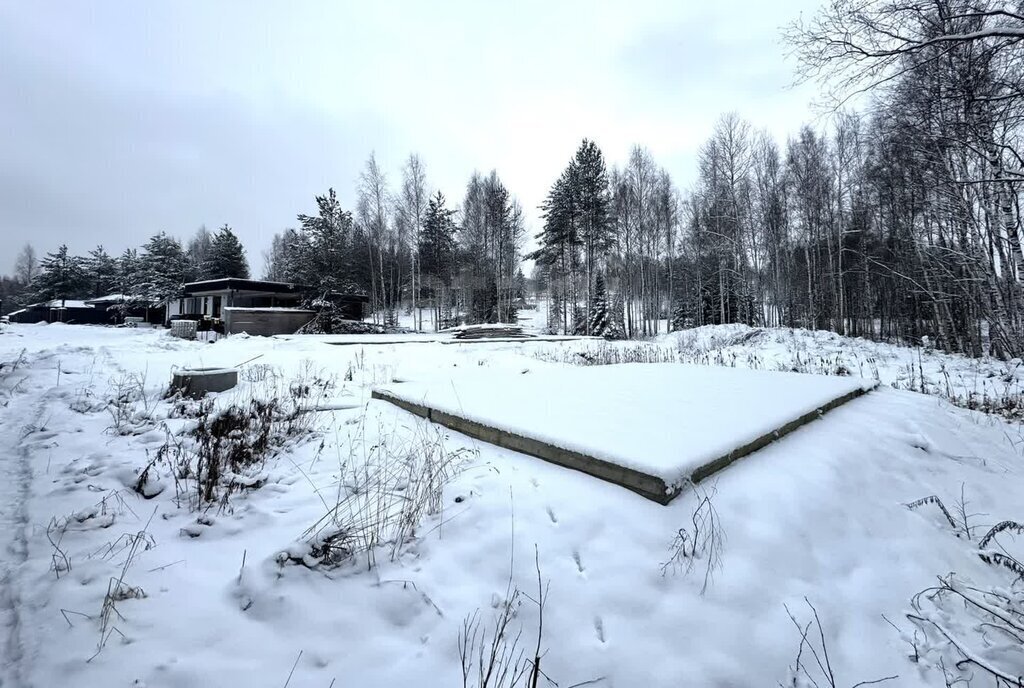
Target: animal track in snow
(551, 515)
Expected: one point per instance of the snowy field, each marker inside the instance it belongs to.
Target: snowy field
(986, 384)
(364, 542)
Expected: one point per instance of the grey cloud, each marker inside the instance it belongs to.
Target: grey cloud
(89, 161)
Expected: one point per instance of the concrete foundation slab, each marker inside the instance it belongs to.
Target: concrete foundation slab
(608, 422)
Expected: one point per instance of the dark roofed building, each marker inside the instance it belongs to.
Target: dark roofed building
(253, 306)
(70, 311)
(207, 299)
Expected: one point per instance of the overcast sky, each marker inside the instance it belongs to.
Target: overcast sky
(122, 118)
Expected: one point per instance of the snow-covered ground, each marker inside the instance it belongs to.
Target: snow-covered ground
(987, 384)
(217, 597)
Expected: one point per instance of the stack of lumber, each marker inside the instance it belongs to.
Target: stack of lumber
(498, 331)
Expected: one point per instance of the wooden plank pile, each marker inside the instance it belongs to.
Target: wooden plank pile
(491, 332)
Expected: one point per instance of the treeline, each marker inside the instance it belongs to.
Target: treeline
(143, 276)
(406, 248)
(900, 221)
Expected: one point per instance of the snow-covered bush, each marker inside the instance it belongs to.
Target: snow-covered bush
(961, 628)
(130, 404)
(224, 448)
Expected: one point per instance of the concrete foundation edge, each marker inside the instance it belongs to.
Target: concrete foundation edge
(648, 486)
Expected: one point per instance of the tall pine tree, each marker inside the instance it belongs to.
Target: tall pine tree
(577, 234)
(225, 257)
(323, 256)
(436, 251)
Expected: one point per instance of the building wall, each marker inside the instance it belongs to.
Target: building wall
(76, 316)
(189, 306)
(265, 321)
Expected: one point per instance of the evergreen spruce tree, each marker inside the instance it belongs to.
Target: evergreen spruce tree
(555, 311)
(126, 280)
(127, 272)
(617, 327)
(577, 234)
(680, 318)
(101, 272)
(61, 276)
(322, 259)
(12, 294)
(437, 240)
(226, 257)
(579, 320)
(436, 255)
(160, 270)
(600, 315)
(592, 203)
(485, 303)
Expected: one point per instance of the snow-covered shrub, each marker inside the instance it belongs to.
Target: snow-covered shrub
(386, 492)
(224, 448)
(130, 405)
(258, 372)
(968, 631)
(961, 628)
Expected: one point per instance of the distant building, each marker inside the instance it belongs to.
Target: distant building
(207, 299)
(258, 307)
(111, 309)
(118, 307)
(70, 311)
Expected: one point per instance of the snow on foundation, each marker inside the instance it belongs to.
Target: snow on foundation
(667, 421)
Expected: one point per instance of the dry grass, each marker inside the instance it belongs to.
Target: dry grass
(387, 489)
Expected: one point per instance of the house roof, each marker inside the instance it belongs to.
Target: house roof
(59, 303)
(109, 298)
(236, 284)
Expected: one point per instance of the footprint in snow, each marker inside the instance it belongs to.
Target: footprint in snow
(599, 628)
(551, 515)
(579, 562)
